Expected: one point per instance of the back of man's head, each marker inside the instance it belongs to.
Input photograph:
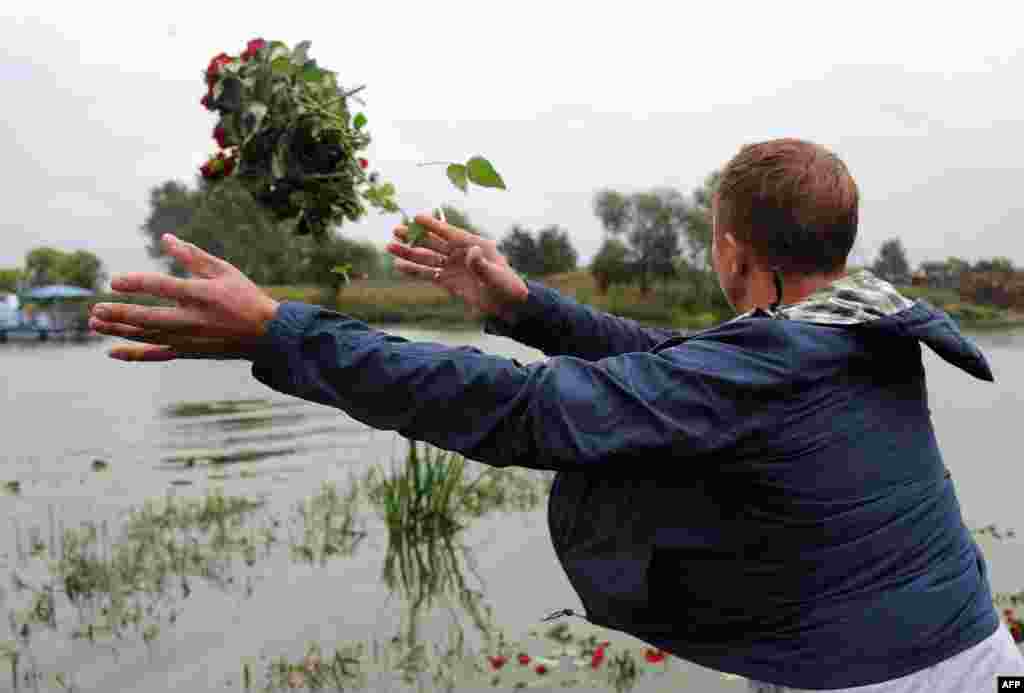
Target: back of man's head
(794, 203)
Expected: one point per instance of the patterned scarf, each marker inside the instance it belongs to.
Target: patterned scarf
(856, 298)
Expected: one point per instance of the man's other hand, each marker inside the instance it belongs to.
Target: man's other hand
(466, 265)
(220, 313)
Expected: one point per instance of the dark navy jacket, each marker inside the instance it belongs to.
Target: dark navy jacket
(765, 498)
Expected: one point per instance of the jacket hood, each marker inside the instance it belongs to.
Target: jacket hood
(871, 303)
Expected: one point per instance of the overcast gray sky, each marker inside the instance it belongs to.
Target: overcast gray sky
(101, 103)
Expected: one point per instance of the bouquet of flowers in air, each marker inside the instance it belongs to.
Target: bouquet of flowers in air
(287, 132)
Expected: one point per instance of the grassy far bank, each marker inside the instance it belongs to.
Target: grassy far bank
(386, 301)
(402, 301)
(968, 315)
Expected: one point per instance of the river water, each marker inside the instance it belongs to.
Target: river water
(90, 441)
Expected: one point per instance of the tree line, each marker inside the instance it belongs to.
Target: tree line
(893, 265)
(658, 235)
(46, 265)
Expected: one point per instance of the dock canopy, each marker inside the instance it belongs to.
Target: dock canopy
(54, 291)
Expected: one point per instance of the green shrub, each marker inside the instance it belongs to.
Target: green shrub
(937, 297)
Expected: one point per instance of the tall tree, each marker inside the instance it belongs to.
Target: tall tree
(459, 217)
(229, 223)
(43, 266)
(891, 264)
(996, 264)
(700, 223)
(957, 266)
(226, 221)
(82, 268)
(322, 257)
(171, 208)
(10, 277)
(653, 222)
(521, 250)
(556, 251)
(549, 252)
(46, 265)
(612, 264)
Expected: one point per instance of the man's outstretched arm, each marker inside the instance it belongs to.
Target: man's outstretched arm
(471, 268)
(563, 414)
(567, 413)
(560, 326)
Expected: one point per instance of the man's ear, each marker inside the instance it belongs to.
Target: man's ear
(731, 247)
(737, 254)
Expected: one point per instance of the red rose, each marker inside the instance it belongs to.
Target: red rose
(213, 168)
(524, 659)
(541, 669)
(206, 101)
(220, 134)
(214, 67)
(498, 661)
(219, 166)
(363, 163)
(598, 657)
(654, 656)
(226, 162)
(252, 47)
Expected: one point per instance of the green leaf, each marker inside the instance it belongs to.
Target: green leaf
(359, 121)
(227, 94)
(343, 270)
(311, 73)
(278, 49)
(278, 163)
(482, 173)
(416, 232)
(457, 174)
(255, 114)
(283, 66)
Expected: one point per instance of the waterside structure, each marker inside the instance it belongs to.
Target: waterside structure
(50, 312)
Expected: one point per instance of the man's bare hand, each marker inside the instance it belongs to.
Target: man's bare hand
(470, 267)
(220, 313)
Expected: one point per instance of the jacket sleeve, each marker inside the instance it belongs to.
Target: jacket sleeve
(559, 326)
(564, 413)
